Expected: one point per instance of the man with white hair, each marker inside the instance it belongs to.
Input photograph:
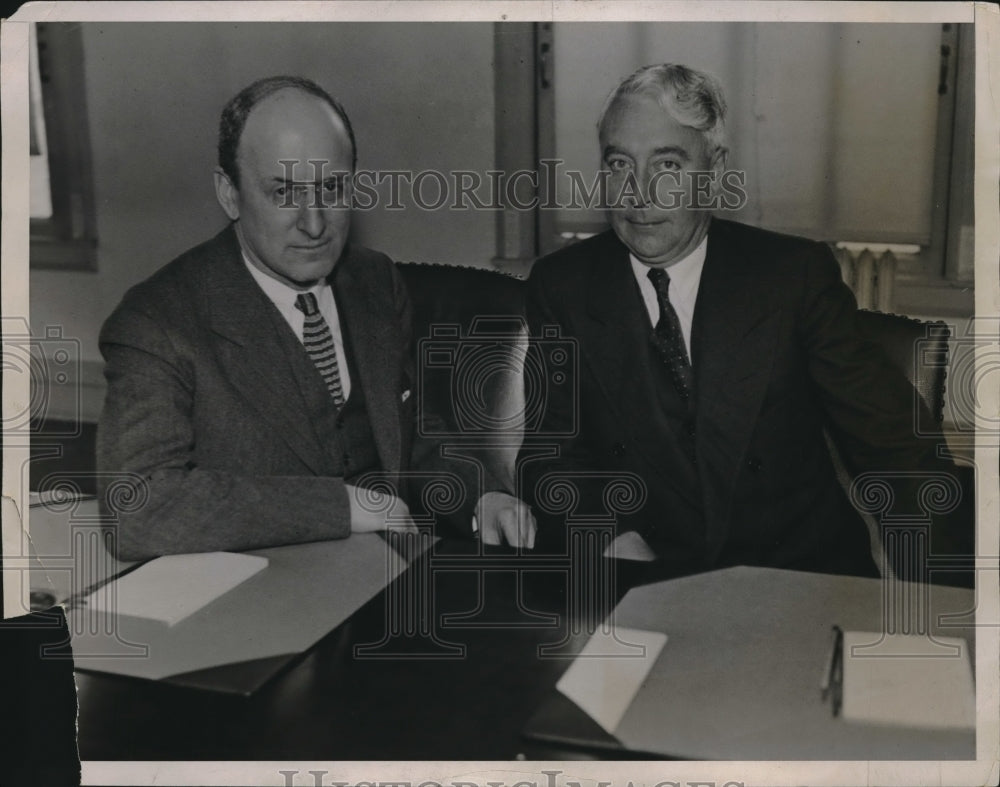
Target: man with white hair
(712, 355)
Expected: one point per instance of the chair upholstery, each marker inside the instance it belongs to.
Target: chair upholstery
(470, 340)
(63, 453)
(918, 349)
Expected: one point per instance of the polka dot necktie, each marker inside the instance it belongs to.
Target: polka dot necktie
(668, 338)
(318, 341)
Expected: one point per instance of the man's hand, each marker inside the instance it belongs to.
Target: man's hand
(503, 519)
(372, 510)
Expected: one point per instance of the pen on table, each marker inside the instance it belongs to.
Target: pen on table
(837, 674)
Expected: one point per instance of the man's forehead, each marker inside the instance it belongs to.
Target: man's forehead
(287, 100)
(646, 119)
(295, 125)
(637, 108)
(292, 171)
(299, 157)
(297, 138)
(304, 170)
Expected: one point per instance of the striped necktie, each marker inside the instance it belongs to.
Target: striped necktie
(318, 341)
(668, 337)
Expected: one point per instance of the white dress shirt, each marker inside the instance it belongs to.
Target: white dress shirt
(685, 275)
(283, 297)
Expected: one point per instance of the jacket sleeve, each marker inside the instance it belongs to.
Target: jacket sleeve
(872, 411)
(869, 403)
(157, 499)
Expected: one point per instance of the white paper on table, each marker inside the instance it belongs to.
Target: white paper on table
(908, 680)
(603, 686)
(171, 588)
(630, 546)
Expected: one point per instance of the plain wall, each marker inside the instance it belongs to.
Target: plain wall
(420, 96)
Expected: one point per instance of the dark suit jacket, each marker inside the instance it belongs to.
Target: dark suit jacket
(206, 402)
(776, 358)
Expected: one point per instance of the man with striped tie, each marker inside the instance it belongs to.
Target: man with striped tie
(258, 379)
(713, 355)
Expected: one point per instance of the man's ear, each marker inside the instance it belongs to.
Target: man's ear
(719, 160)
(717, 164)
(226, 194)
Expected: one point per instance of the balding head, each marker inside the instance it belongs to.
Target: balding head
(238, 109)
(287, 188)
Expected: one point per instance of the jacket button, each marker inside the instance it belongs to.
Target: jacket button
(754, 464)
(618, 449)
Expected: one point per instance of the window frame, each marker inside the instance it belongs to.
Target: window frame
(68, 239)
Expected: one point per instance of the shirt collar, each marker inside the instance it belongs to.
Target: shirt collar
(684, 274)
(277, 291)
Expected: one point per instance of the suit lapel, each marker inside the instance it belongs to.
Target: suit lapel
(617, 338)
(614, 324)
(369, 320)
(249, 348)
(733, 347)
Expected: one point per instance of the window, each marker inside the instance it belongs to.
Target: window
(63, 227)
(41, 198)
